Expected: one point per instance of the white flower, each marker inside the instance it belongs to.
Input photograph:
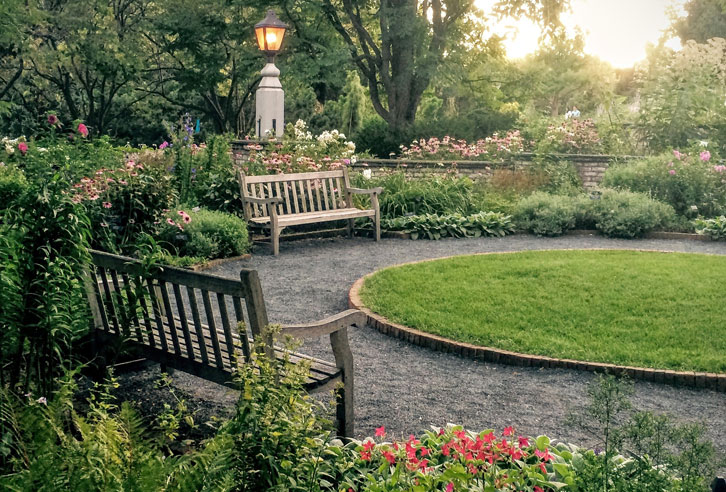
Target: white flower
(353, 159)
(703, 143)
(694, 208)
(42, 400)
(367, 173)
(9, 149)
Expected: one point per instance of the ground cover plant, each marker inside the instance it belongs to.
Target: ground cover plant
(622, 307)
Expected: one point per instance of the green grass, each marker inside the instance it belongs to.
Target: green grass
(660, 310)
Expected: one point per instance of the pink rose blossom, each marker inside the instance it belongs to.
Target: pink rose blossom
(23, 147)
(82, 129)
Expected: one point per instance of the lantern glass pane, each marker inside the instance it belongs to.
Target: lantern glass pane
(260, 33)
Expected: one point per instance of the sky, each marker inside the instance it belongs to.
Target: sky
(617, 31)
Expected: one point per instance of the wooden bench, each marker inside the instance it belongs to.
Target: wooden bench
(277, 201)
(188, 321)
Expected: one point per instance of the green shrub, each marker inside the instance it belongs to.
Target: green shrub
(628, 215)
(12, 185)
(432, 194)
(714, 228)
(205, 233)
(689, 184)
(546, 215)
(431, 226)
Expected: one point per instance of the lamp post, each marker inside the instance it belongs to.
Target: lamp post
(270, 98)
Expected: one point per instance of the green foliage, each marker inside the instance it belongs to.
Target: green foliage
(440, 195)
(546, 215)
(205, 233)
(682, 96)
(431, 226)
(662, 456)
(626, 214)
(277, 430)
(44, 245)
(689, 184)
(705, 19)
(572, 136)
(714, 228)
(377, 138)
(216, 186)
(126, 201)
(12, 185)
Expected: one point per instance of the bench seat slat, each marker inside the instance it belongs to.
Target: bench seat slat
(310, 217)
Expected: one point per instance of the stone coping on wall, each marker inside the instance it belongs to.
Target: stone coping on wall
(706, 380)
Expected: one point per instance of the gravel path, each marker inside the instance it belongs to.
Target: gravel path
(408, 388)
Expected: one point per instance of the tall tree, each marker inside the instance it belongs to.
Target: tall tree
(705, 19)
(88, 54)
(398, 45)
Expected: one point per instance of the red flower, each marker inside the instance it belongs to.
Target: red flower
(523, 442)
(369, 445)
(538, 489)
(390, 457)
(508, 431)
(380, 431)
(23, 147)
(82, 129)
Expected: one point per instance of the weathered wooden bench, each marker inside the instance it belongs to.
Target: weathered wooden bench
(188, 321)
(277, 201)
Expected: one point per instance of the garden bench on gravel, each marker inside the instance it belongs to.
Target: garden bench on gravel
(277, 201)
(188, 321)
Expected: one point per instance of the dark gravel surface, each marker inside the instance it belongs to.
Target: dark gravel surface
(408, 388)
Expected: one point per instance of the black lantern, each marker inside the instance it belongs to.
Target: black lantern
(270, 32)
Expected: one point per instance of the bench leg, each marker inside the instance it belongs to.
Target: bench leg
(351, 224)
(377, 221)
(275, 236)
(344, 411)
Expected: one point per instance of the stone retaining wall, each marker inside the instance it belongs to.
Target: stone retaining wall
(591, 168)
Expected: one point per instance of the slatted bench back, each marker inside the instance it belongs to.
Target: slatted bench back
(299, 192)
(176, 313)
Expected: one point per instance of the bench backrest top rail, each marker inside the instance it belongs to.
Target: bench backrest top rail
(278, 178)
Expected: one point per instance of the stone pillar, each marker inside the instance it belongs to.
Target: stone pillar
(270, 104)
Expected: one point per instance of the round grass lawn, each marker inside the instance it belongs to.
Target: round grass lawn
(645, 309)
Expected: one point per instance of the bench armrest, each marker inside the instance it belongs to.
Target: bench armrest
(360, 191)
(326, 326)
(263, 201)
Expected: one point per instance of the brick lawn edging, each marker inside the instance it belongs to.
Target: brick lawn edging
(488, 354)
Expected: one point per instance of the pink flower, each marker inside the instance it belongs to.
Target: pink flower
(23, 147)
(106, 204)
(170, 222)
(450, 487)
(523, 442)
(82, 129)
(186, 219)
(52, 119)
(163, 145)
(380, 431)
(672, 172)
(677, 154)
(42, 400)
(130, 165)
(705, 156)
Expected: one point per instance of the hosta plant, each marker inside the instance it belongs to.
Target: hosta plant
(431, 226)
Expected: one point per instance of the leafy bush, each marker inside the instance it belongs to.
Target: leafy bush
(433, 194)
(12, 185)
(376, 137)
(494, 148)
(205, 233)
(572, 136)
(662, 456)
(546, 215)
(690, 183)
(628, 215)
(431, 226)
(127, 201)
(714, 228)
